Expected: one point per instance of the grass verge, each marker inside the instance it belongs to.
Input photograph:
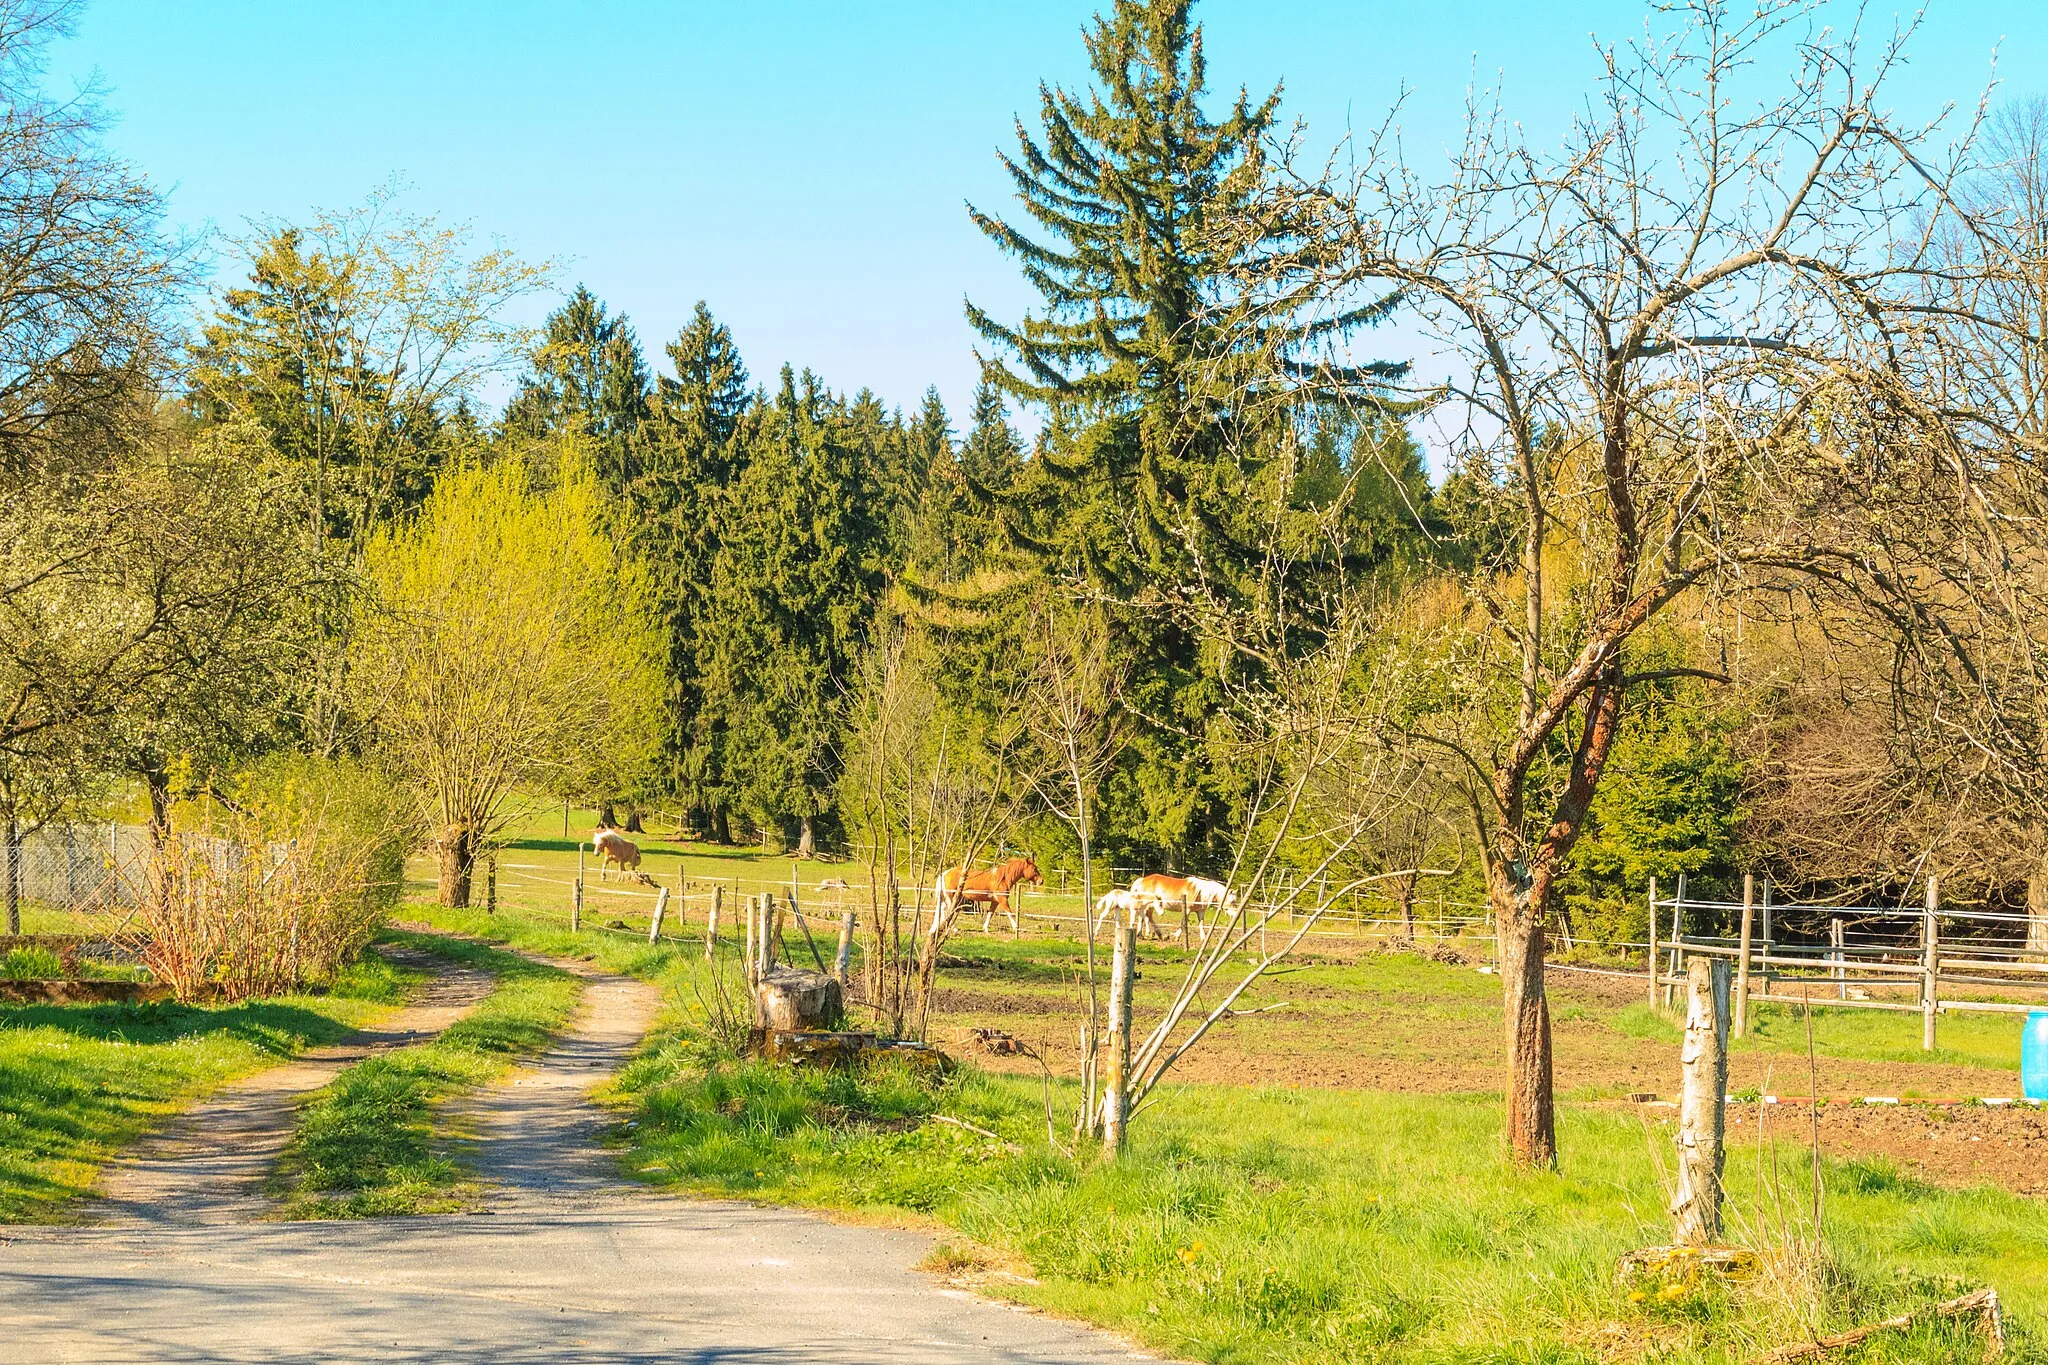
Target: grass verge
(77, 1082)
(366, 1144)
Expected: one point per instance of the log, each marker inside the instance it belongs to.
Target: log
(790, 999)
(1982, 1305)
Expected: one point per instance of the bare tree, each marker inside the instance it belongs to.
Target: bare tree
(923, 788)
(1682, 350)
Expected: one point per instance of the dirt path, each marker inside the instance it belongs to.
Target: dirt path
(534, 1135)
(571, 1264)
(209, 1164)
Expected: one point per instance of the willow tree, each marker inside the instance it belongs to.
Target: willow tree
(506, 647)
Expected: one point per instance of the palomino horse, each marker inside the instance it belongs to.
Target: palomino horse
(957, 886)
(1156, 892)
(614, 847)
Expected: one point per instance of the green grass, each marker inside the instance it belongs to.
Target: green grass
(1322, 1225)
(79, 1081)
(1981, 1040)
(1291, 1225)
(367, 1144)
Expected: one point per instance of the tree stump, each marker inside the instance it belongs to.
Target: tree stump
(792, 1000)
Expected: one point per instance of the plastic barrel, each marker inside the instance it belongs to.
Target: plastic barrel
(2034, 1056)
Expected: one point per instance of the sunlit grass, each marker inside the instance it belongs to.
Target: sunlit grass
(368, 1144)
(77, 1082)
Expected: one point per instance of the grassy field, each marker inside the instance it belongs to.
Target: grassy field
(368, 1144)
(79, 1081)
(1271, 1223)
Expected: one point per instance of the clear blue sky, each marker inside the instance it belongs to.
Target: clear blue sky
(800, 166)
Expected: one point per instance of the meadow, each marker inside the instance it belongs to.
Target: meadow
(1307, 1222)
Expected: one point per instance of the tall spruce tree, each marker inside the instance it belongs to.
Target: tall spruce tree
(688, 455)
(797, 573)
(588, 376)
(1141, 480)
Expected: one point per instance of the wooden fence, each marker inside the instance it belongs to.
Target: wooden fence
(1926, 959)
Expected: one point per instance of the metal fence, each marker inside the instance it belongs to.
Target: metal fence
(83, 867)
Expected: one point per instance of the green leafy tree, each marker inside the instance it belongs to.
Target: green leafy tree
(799, 571)
(505, 647)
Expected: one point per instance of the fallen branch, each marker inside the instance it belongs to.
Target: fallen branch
(1982, 1304)
(961, 1123)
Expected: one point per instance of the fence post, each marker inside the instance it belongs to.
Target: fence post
(1703, 1104)
(1836, 942)
(491, 884)
(1742, 963)
(1930, 987)
(660, 909)
(1653, 943)
(1116, 1085)
(1677, 938)
(711, 921)
(844, 956)
(576, 908)
(751, 956)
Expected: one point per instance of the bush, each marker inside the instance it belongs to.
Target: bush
(289, 878)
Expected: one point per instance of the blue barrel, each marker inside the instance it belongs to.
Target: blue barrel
(2034, 1056)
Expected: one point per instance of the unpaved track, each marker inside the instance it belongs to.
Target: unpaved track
(209, 1164)
(567, 1263)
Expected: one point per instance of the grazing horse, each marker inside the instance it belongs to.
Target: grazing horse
(1156, 892)
(957, 886)
(1127, 908)
(614, 847)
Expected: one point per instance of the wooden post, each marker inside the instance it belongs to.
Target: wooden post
(748, 952)
(660, 909)
(776, 918)
(711, 921)
(842, 958)
(1833, 952)
(1742, 963)
(1930, 986)
(1770, 973)
(1703, 1104)
(490, 885)
(1677, 938)
(576, 900)
(1653, 943)
(1116, 1084)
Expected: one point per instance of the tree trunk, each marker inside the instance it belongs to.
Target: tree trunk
(806, 846)
(606, 816)
(458, 857)
(1531, 1119)
(1703, 1105)
(158, 783)
(634, 825)
(1404, 887)
(721, 825)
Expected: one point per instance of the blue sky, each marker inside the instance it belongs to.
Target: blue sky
(800, 166)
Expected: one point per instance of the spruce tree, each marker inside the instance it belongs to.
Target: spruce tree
(1152, 373)
(588, 376)
(688, 454)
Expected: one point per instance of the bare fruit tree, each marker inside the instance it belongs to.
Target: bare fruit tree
(1678, 360)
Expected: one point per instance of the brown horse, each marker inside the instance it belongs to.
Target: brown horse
(957, 887)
